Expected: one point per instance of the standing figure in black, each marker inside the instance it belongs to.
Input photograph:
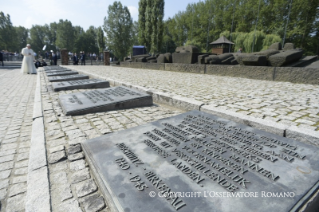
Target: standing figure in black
(75, 59)
(1, 57)
(54, 58)
(83, 58)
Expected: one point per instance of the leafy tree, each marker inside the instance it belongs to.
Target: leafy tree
(118, 27)
(64, 34)
(37, 37)
(151, 26)
(91, 40)
(100, 39)
(22, 36)
(7, 33)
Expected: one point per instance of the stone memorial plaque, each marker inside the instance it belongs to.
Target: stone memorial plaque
(199, 162)
(101, 100)
(59, 70)
(61, 73)
(80, 84)
(68, 78)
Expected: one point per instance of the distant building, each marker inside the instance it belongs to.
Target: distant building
(222, 45)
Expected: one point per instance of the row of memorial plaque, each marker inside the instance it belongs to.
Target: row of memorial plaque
(101, 99)
(194, 161)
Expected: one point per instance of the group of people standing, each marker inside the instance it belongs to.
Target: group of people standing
(80, 58)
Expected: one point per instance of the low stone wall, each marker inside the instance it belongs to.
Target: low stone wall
(283, 74)
(297, 75)
(250, 72)
(181, 67)
(155, 66)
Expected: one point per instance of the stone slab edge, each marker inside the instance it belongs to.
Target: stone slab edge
(112, 203)
(296, 133)
(38, 188)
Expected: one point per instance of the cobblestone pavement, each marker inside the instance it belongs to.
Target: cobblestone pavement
(16, 108)
(282, 102)
(73, 187)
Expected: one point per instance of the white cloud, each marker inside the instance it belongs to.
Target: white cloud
(134, 12)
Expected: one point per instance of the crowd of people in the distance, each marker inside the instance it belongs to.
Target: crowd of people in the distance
(82, 57)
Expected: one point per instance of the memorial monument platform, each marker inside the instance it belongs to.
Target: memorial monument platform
(47, 166)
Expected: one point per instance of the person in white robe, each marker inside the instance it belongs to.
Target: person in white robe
(28, 66)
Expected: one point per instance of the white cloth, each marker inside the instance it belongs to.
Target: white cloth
(27, 63)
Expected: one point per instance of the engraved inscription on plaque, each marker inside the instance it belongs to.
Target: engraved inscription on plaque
(68, 78)
(200, 162)
(101, 100)
(61, 73)
(80, 84)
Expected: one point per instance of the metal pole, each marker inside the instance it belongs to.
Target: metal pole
(283, 41)
(252, 49)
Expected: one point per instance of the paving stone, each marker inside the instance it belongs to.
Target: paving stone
(13, 131)
(15, 203)
(19, 179)
(80, 176)
(71, 205)
(21, 164)
(5, 147)
(57, 142)
(23, 156)
(76, 141)
(56, 149)
(21, 171)
(65, 192)
(22, 150)
(76, 156)
(63, 165)
(4, 183)
(3, 193)
(5, 174)
(59, 178)
(12, 136)
(93, 203)
(85, 188)
(8, 152)
(77, 165)
(11, 140)
(6, 158)
(17, 189)
(56, 157)
(74, 149)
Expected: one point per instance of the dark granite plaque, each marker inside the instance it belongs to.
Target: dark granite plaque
(59, 70)
(61, 73)
(68, 78)
(80, 84)
(202, 163)
(101, 100)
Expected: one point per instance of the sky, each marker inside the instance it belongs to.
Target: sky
(82, 13)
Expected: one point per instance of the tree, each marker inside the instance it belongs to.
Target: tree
(91, 40)
(65, 34)
(100, 39)
(118, 27)
(37, 37)
(135, 33)
(7, 33)
(22, 36)
(151, 26)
